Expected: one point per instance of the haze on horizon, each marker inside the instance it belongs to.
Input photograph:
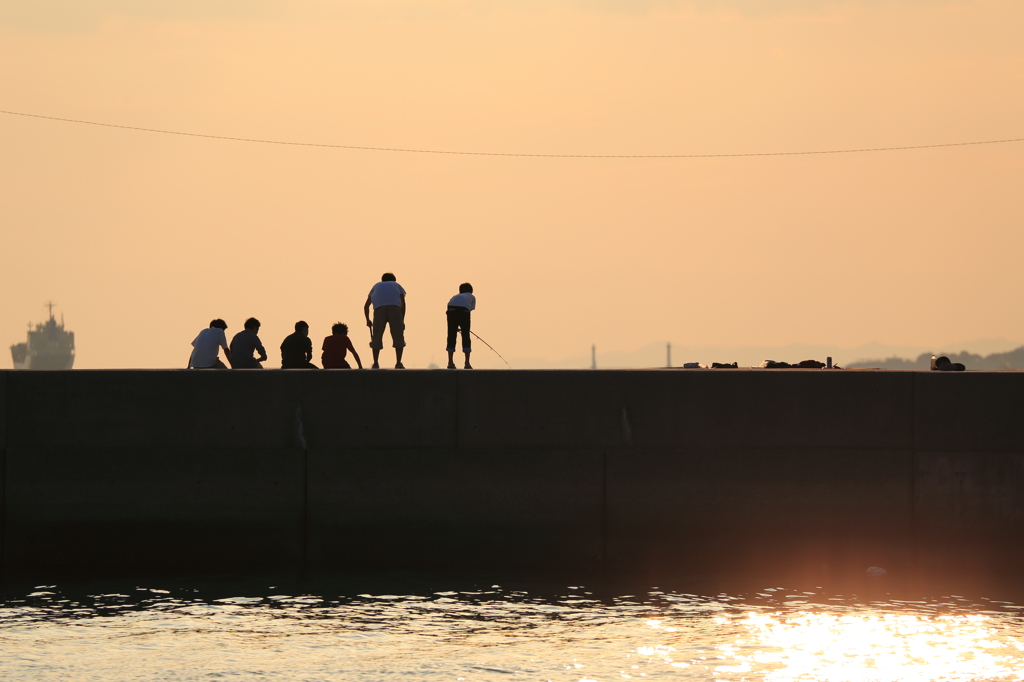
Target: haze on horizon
(142, 238)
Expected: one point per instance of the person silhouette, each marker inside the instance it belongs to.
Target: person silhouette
(297, 349)
(459, 308)
(207, 345)
(244, 344)
(388, 299)
(336, 346)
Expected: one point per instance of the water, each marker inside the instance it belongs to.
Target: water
(182, 630)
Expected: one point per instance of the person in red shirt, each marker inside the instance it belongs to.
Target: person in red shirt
(335, 347)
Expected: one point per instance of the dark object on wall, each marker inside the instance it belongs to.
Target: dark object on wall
(943, 364)
(803, 364)
(996, 361)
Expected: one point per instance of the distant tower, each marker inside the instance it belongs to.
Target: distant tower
(668, 354)
(593, 356)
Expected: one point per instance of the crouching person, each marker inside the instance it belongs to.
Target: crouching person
(336, 346)
(297, 349)
(207, 345)
(245, 345)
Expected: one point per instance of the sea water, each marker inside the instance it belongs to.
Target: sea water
(179, 629)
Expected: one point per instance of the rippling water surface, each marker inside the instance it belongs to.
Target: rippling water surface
(490, 632)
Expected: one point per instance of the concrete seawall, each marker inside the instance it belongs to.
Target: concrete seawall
(622, 472)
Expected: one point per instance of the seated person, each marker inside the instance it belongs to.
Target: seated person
(335, 347)
(244, 344)
(297, 349)
(207, 345)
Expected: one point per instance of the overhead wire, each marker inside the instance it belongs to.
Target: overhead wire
(858, 150)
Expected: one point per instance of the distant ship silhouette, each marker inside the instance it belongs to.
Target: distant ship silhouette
(49, 346)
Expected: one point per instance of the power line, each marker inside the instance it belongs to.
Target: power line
(545, 156)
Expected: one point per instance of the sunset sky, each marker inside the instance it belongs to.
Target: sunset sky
(142, 238)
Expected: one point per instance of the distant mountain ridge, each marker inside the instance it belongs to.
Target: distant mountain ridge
(1013, 359)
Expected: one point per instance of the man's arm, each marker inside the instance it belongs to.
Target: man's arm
(224, 345)
(262, 351)
(189, 365)
(366, 312)
(352, 350)
(402, 296)
(309, 350)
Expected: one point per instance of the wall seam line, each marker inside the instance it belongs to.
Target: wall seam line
(305, 510)
(302, 442)
(3, 473)
(605, 560)
(914, 563)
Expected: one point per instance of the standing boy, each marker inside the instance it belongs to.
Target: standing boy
(388, 299)
(244, 344)
(336, 346)
(459, 308)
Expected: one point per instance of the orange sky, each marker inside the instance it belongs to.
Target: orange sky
(142, 238)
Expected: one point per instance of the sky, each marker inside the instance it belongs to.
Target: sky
(141, 238)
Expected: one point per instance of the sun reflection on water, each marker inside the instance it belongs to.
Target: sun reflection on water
(855, 647)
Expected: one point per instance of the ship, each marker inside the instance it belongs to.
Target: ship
(49, 346)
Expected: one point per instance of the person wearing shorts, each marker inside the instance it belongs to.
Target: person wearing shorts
(388, 299)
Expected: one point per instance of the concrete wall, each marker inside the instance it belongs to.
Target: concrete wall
(653, 472)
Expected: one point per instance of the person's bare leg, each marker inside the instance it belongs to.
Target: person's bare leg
(376, 335)
(398, 358)
(468, 366)
(451, 359)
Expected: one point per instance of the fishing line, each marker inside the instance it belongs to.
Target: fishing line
(492, 348)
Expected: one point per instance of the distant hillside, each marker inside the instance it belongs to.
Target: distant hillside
(1013, 359)
(654, 355)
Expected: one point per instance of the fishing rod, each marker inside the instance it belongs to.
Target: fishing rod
(492, 348)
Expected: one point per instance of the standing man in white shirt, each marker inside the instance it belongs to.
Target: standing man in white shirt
(388, 299)
(459, 308)
(207, 345)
